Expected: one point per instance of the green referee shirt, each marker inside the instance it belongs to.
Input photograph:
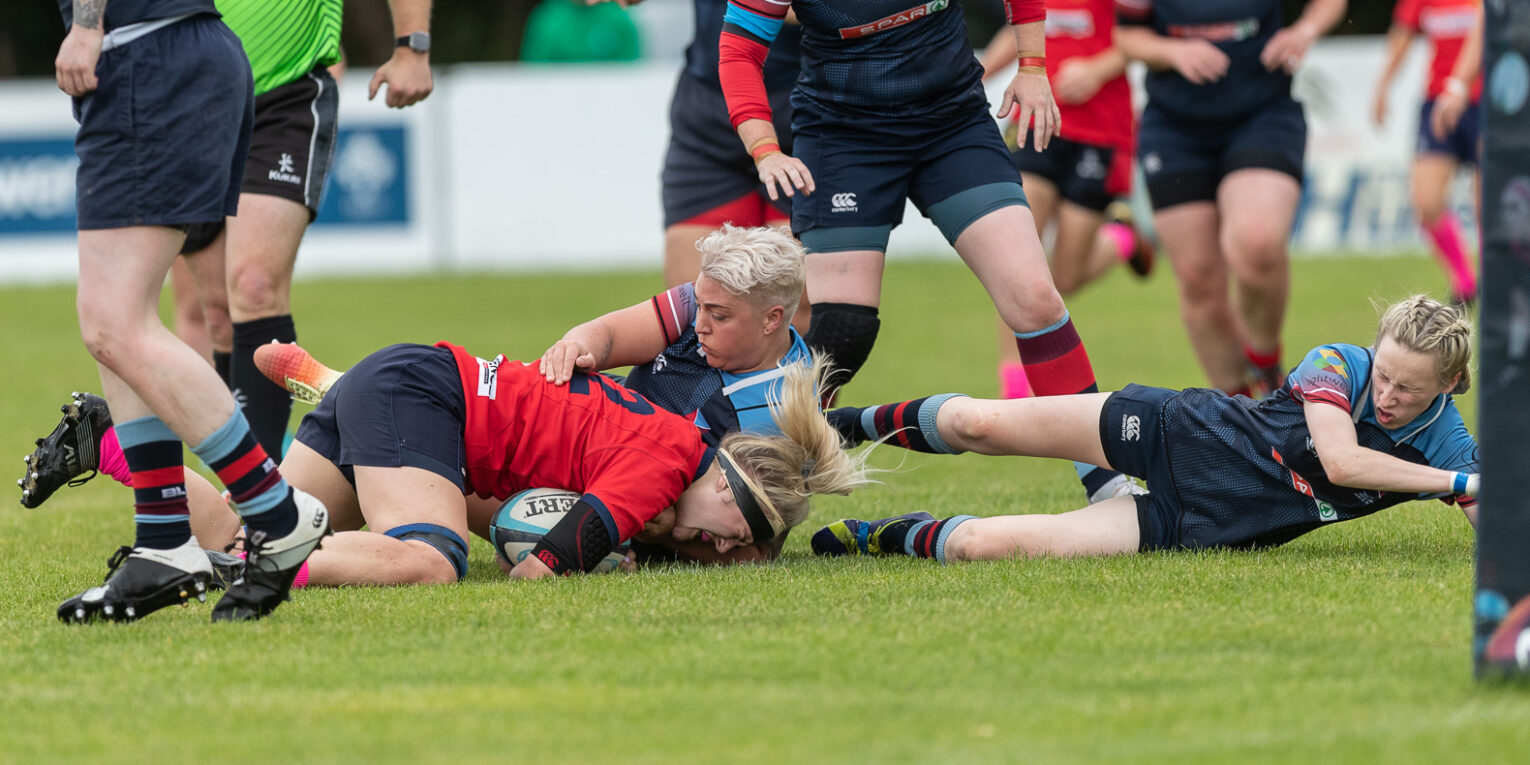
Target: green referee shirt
(284, 38)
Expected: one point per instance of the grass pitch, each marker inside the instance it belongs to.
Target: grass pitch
(1348, 645)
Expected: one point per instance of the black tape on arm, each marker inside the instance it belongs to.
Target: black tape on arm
(578, 542)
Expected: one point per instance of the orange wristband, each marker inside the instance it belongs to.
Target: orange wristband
(763, 150)
(1039, 62)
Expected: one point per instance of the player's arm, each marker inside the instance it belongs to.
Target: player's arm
(1197, 60)
(1288, 46)
(632, 335)
(1029, 91)
(749, 26)
(1347, 463)
(999, 55)
(75, 66)
(1398, 38)
(407, 73)
(1452, 102)
(1080, 78)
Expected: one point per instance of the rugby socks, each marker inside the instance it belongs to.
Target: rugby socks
(153, 453)
(909, 424)
(1265, 367)
(1451, 252)
(267, 406)
(258, 492)
(1058, 365)
(111, 460)
(221, 362)
(921, 539)
(1122, 236)
(1012, 380)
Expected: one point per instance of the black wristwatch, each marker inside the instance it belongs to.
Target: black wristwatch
(419, 42)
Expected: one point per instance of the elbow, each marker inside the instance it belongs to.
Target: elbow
(1339, 470)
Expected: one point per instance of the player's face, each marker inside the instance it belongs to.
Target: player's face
(711, 517)
(732, 331)
(1403, 383)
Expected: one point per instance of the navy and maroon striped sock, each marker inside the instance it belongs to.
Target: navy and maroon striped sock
(927, 539)
(155, 459)
(909, 424)
(264, 500)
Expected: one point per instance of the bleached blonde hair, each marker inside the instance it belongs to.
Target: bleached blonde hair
(807, 458)
(764, 265)
(1422, 324)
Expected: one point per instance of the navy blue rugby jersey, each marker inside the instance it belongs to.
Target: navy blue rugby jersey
(1240, 28)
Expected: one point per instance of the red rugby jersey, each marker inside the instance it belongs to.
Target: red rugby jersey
(1446, 23)
(1083, 28)
(591, 436)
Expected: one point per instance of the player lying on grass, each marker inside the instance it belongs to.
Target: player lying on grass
(1352, 431)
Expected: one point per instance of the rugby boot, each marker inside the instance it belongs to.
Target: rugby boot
(71, 451)
(855, 537)
(293, 368)
(1120, 486)
(225, 567)
(270, 564)
(1146, 252)
(140, 581)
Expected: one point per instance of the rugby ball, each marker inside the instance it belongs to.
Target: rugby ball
(522, 520)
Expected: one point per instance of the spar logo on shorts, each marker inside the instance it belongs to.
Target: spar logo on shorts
(1131, 427)
(844, 202)
(285, 171)
(896, 20)
(488, 377)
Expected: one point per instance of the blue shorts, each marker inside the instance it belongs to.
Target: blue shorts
(1462, 143)
(1185, 160)
(867, 168)
(399, 407)
(1132, 434)
(706, 164)
(1082, 172)
(163, 138)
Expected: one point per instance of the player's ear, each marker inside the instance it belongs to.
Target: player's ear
(774, 317)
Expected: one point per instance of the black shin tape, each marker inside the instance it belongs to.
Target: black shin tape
(846, 332)
(446, 541)
(579, 542)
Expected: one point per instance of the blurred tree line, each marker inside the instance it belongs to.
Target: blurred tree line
(471, 30)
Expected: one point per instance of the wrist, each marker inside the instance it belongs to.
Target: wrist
(1307, 29)
(1032, 61)
(1454, 86)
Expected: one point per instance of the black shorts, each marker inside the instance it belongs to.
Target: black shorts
(291, 148)
(706, 164)
(1185, 160)
(1132, 434)
(163, 137)
(1084, 174)
(399, 407)
(1461, 144)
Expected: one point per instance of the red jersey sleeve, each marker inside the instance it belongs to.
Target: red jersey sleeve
(1025, 11)
(748, 28)
(676, 311)
(1406, 14)
(634, 485)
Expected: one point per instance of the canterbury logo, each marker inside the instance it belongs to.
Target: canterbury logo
(548, 559)
(1131, 427)
(844, 202)
(318, 519)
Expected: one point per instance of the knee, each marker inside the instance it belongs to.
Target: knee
(1429, 209)
(252, 288)
(968, 543)
(108, 334)
(427, 566)
(440, 554)
(963, 425)
(1201, 291)
(1036, 304)
(1256, 251)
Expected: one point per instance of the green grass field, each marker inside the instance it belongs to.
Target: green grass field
(1348, 645)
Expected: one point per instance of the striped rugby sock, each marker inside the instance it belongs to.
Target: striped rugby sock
(263, 499)
(1057, 365)
(911, 424)
(927, 539)
(156, 463)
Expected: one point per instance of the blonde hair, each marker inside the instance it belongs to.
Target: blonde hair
(764, 265)
(1424, 325)
(807, 458)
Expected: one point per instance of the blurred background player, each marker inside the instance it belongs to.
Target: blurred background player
(164, 98)
(1221, 144)
(1447, 24)
(1352, 431)
(1071, 184)
(890, 107)
(243, 266)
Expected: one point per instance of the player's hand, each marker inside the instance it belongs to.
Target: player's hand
(407, 76)
(531, 568)
(1379, 107)
(1199, 61)
(1287, 48)
(75, 67)
(563, 358)
(1076, 82)
(1448, 108)
(788, 173)
(629, 564)
(1032, 95)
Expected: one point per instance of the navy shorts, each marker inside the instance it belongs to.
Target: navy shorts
(1132, 433)
(1080, 171)
(163, 138)
(1462, 143)
(1185, 160)
(399, 407)
(706, 164)
(867, 168)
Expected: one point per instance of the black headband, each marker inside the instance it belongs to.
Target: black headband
(759, 523)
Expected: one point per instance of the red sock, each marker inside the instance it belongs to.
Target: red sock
(1055, 360)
